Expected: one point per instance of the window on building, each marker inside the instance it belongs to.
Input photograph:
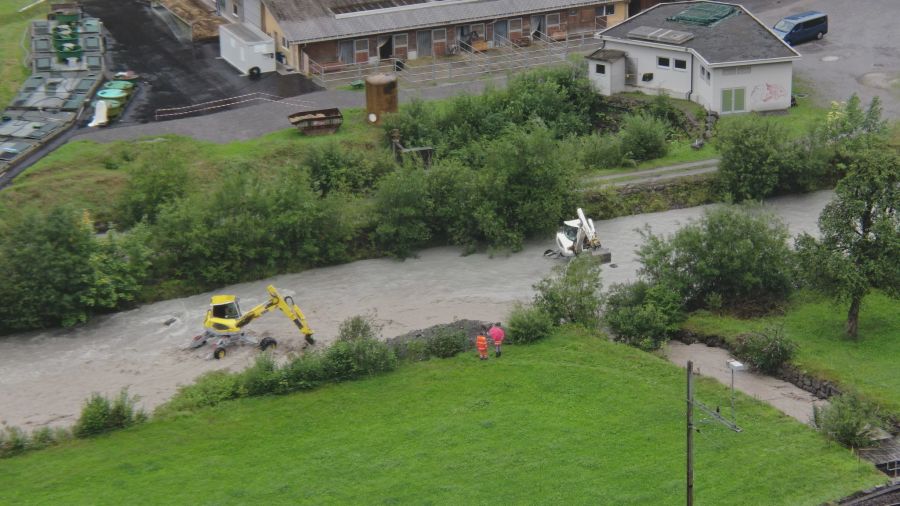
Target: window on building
(515, 25)
(740, 69)
(552, 20)
(234, 9)
(439, 35)
(704, 74)
(361, 46)
(284, 42)
(400, 42)
(605, 10)
(600, 68)
(733, 100)
(478, 30)
(663, 62)
(680, 64)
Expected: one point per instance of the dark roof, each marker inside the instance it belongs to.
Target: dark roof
(609, 55)
(739, 37)
(313, 20)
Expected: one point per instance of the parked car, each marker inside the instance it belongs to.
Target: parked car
(802, 27)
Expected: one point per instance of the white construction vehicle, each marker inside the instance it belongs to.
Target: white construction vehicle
(576, 237)
(224, 322)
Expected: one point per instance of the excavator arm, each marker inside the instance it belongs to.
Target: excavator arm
(286, 305)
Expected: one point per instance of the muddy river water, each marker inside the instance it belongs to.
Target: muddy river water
(45, 376)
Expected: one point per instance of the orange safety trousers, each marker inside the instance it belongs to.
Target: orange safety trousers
(482, 345)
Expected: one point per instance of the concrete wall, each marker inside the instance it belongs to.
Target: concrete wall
(271, 28)
(767, 87)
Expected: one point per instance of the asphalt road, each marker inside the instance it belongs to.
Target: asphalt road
(860, 54)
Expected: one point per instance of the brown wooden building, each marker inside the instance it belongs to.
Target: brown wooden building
(332, 33)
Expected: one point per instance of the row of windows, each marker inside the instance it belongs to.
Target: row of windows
(666, 63)
(605, 10)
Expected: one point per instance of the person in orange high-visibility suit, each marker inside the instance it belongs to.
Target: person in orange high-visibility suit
(482, 345)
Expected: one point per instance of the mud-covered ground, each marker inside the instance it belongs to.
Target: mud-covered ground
(45, 376)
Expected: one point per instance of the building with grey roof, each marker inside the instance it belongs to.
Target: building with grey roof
(326, 34)
(713, 53)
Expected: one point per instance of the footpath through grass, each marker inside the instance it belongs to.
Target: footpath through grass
(572, 420)
(868, 365)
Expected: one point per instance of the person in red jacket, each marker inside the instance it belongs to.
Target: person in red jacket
(481, 344)
(497, 335)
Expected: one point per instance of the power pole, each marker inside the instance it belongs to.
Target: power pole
(690, 434)
(690, 428)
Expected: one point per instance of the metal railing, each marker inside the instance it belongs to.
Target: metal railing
(215, 105)
(507, 58)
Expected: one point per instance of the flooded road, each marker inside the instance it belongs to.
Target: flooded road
(45, 376)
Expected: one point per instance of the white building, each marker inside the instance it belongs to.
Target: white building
(716, 54)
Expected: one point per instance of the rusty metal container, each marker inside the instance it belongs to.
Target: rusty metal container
(381, 96)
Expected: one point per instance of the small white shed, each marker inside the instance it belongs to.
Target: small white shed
(606, 70)
(247, 48)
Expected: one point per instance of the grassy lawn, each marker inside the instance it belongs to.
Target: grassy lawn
(572, 420)
(12, 29)
(73, 173)
(867, 366)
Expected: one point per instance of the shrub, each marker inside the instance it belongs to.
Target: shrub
(305, 372)
(262, 378)
(641, 314)
(767, 350)
(402, 208)
(335, 167)
(446, 343)
(153, 184)
(527, 324)
(571, 294)
(731, 254)
(209, 389)
(644, 137)
(600, 152)
(359, 327)
(754, 152)
(848, 420)
(99, 415)
(345, 360)
(13, 441)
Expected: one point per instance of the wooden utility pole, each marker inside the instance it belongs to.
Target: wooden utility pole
(714, 414)
(690, 434)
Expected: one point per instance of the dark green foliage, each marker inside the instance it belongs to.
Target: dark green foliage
(662, 108)
(153, 184)
(454, 192)
(560, 97)
(251, 226)
(207, 390)
(738, 254)
(848, 420)
(642, 314)
(334, 167)
(754, 152)
(402, 207)
(446, 343)
(596, 152)
(346, 360)
(767, 350)
(571, 294)
(860, 243)
(55, 272)
(261, 378)
(528, 324)
(100, 415)
(359, 327)
(644, 137)
(13, 441)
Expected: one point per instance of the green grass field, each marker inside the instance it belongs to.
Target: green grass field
(73, 173)
(572, 420)
(13, 25)
(867, 366)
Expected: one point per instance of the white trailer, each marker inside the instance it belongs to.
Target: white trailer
(247, 48)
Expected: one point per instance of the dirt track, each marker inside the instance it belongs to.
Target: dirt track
(44, 376)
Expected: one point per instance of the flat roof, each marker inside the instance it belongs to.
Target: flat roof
(248, 34)
(315, 20)
(736, 38)
(608, 55)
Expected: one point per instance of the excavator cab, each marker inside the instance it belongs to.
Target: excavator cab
(225, 306)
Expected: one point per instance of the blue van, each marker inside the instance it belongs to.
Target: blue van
(802, 27)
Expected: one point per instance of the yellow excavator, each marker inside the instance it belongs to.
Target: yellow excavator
(224, 323)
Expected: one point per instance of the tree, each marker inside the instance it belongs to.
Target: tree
(45, 265)
(732, 256)
(402, 206)
(860, 243)
(754, 152)
(571, 294)
(153, 183)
